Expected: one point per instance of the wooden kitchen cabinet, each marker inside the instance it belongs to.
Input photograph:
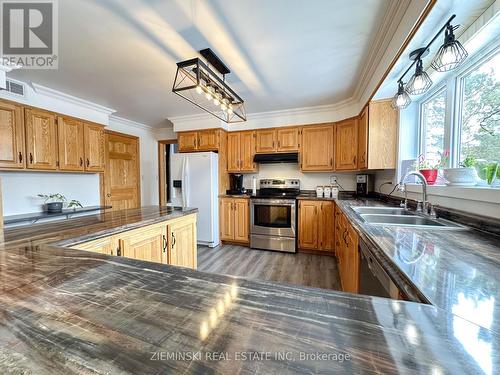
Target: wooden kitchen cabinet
(265, 141)
(316, 225)
(363, 139)
(288, 139)
(41, 139)
(187, 141)
(200, 140)
(182, 242)
(347, 241)
(240, 152)
(70, 144)
(94, 141)
(147, 244)
(234, 219)
(105, 245)
(346, 145)
(317, 148)
(382, 135)
(11, 136)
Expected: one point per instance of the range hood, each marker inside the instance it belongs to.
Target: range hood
(291, 157)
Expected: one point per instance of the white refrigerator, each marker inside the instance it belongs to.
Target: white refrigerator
(195, 183)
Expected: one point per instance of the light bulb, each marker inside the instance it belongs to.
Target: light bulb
(400, 100)
(199, 90)
(223, 106)
(230, 109)
(448, 56)
(208, 95)
(419, 83)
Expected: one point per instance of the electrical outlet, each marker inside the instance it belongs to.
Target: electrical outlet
(333, 180)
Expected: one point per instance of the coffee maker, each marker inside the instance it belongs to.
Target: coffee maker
(236, 184)
(364, 185)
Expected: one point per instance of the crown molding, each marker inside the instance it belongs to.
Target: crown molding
(54, 94)
(126, 122)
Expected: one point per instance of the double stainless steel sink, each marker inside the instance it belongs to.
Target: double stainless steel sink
(401, 217)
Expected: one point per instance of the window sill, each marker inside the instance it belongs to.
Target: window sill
(475, 193)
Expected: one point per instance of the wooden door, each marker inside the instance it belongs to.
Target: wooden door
(70, 141)
(11, 136)
(226, 215)
(247, 152)
(346, 145)
(94, 141)
(241, 220)
(41, 139)
(122, 186)
(233, 152)
(208, 140)
(317, 148)
(383, 135)
(149, 244)
(265, 141)
(188, 141)
(182, 241)
(309, 224)
(288, 139)
(327, 227)
(363, 139)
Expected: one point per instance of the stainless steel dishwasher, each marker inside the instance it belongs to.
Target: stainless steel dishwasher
(373, 280)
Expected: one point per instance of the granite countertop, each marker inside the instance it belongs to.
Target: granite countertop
(455, 270)
(69, 311)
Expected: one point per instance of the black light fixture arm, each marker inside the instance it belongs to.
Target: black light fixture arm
(424, 49)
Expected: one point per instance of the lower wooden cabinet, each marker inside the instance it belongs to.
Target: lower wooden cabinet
(172, 242)
(347, 241)
(234, 219)
(316, 225)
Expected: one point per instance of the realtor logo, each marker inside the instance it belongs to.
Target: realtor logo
(29, 33)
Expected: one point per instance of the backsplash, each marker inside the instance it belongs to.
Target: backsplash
(309, 181)
(20, 189)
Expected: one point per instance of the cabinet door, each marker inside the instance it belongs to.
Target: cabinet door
(107, 245)
(147, 244)
(187, 141)
(309, 224)
(208, 140)
(346, 145)
(327, 227)
(233, 152)
(241, 220)
(70, 141)
(41, 139)
(363, 139)
(383, 135)
(94, 141)
(266, 141)
(247, 152)
(11, 136)
(183, 242)
(288, 139)
(352, 271)
(226, 214)
(317, 148)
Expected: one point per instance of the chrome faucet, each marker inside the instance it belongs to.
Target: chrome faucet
(402, 188)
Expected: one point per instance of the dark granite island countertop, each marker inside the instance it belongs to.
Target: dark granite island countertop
(66, 311)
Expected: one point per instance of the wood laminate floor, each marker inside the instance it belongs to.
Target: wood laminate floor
(300, 268)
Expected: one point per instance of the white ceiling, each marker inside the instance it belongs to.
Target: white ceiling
(282, 53)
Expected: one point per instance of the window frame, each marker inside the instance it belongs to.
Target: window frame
(454, 87)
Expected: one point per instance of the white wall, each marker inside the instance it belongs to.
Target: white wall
(309, 181)
(20, 189)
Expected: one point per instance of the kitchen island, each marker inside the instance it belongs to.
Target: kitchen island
(71, 311)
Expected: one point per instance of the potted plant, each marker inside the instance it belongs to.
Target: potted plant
(466, 175)
(488, 172)
(430, 172)
(54, 202)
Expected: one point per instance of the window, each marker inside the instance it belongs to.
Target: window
(479, 135)
(433, 125)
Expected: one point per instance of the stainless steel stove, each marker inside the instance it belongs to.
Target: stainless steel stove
(273, 215)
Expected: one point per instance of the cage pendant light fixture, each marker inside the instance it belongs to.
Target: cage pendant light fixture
(199, 84)
(420, 82)
(451, 54)
(401, 99)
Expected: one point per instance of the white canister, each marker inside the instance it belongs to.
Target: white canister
(327, 192)
(335, 192)
(319, 191)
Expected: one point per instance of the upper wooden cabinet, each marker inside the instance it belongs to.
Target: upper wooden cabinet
(382, 135)
(11, 136)
(363, 139)
(240, 152)
(234, 219)
(346, 145)
(41, 139)
(316, 154)
(202, 140)
(316, 225)
(288, 139)
(94, 141)
(71, 146)
(265, 141)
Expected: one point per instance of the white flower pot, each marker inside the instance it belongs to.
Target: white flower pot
(461, 176)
